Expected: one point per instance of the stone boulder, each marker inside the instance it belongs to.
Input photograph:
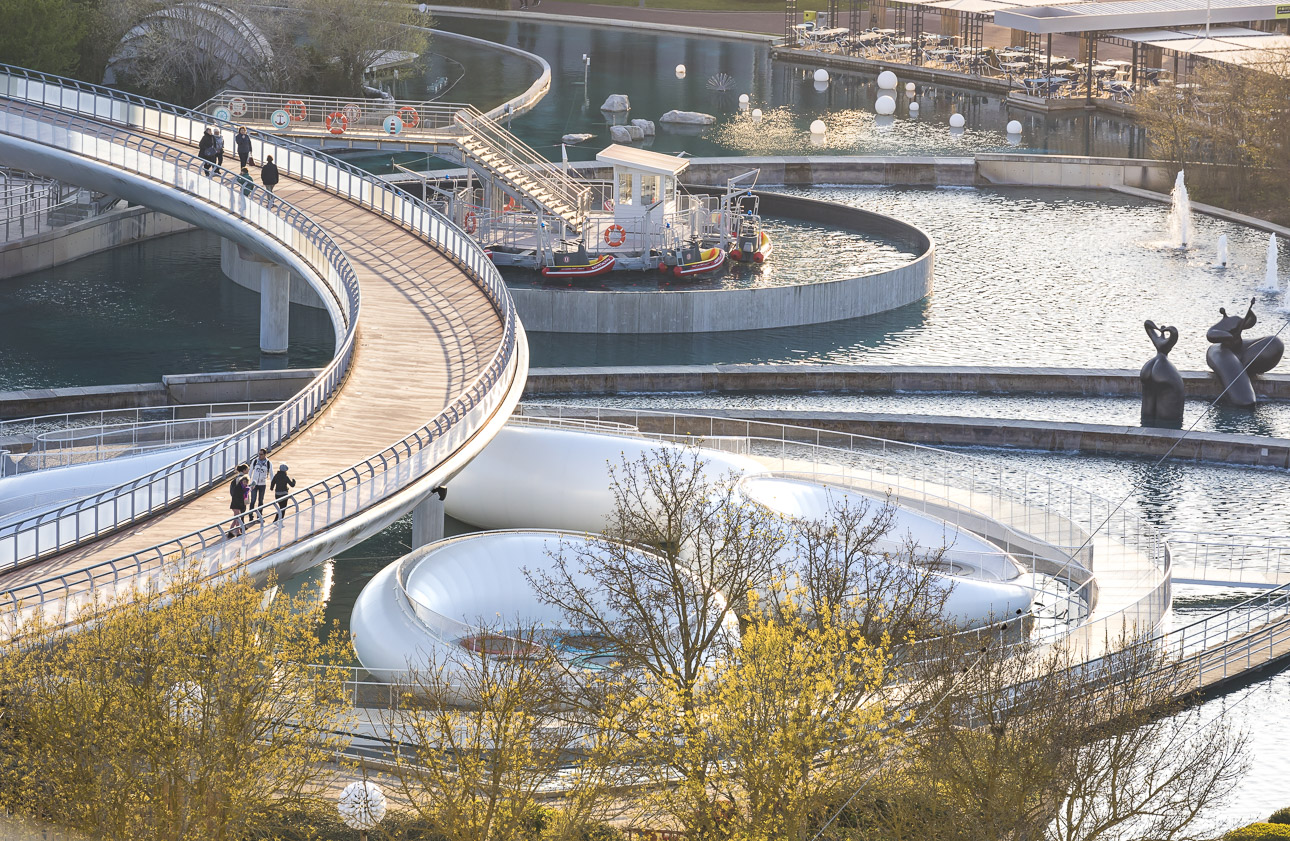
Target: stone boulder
(635, 132)
(620, 134)
(576, 138)
(646, 127)
(616, 103)
(688, 118)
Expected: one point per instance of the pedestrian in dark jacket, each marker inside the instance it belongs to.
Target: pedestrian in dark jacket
(206, 151)
(243, 143)
(280, 486)
(237, 491)
(269, 174)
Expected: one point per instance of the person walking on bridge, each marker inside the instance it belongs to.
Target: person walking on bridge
(281, 484)
(237, 491)
(261, 469)
(206, 151)
(242, 142)
(269, 174)
(219, 147)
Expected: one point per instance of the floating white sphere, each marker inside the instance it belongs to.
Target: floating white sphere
(821, 75)
(817, 127)
(913, 108)
(885, 105)
(361, 805)
(909, 87)
(957, 121)
(887, 80)
(680, 70)
(743, 99)
(756, 115)
(1014, 127)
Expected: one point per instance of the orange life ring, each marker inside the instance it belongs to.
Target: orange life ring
(472, 222)
(615, 236)
(511, 206)
(296, 110)
(409, 116)
(337, 122)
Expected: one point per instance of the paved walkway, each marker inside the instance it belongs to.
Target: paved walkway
(425, 332)
(764, 23)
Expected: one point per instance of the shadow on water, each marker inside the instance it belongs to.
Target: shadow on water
(810, 343)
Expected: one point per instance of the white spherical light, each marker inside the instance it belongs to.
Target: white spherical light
(821, 75)
(957, 121)
(887, 80)
(885, 105)
(680, 70)
(361, 805)
(913, 107)
(817, 127)
(743, 99)
(756, 115)
(1014, 127)
(909, 87)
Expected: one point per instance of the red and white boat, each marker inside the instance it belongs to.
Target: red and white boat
(578, 264)
(693, 260)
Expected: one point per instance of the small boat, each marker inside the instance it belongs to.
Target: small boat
(751, 247)
(578, 263)
(693, 260)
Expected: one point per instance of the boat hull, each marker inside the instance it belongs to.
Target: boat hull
(601, 265)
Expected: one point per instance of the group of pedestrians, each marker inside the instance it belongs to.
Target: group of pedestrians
(246, 491)
(211, 150)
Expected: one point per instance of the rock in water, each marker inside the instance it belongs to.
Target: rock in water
(616, 102)
(646, 127)
(576, 138)
(635, 132)
(693, 118)
(620, 134)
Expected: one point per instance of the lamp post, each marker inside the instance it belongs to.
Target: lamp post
(361, 806)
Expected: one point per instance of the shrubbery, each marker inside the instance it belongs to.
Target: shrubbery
(1259, 832)
(1280, 816)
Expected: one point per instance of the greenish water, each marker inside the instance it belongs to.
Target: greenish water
(135, 313)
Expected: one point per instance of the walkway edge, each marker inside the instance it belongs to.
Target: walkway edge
(583, 20)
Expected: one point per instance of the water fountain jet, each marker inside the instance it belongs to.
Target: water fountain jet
(1180, 214)
(1221, 257)
(1270, 281)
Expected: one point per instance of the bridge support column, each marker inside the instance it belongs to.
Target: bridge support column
(275, 308)
(427, 519)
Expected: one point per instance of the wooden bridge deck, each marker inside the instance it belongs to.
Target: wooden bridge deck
(425, 331)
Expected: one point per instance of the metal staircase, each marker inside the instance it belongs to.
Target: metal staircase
(539, 184)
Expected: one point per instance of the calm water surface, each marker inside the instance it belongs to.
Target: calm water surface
(1023, 277)
(135, 313)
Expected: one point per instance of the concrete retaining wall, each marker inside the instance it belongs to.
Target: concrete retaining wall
(780, 379)
(1071, 171)
(242, 266)
(62, 245)
(718, 310)
(230, 387)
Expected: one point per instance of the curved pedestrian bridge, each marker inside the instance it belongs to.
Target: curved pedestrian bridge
(430, 357)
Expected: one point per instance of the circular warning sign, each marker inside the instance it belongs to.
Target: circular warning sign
(280, 119)
(222, 113)
(393, 125)
(237, 105)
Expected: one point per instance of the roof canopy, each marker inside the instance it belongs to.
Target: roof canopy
(641, 159)
(1104, 15)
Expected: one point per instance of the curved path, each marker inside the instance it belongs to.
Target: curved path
(438, 358)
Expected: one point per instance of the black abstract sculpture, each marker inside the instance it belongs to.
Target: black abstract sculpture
(1162, 385)
(1235, 359)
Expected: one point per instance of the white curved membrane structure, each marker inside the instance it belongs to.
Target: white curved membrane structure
(537, 478)
(465, 594)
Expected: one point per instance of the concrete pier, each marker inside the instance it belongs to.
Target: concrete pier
(275, 308)
(427, 519)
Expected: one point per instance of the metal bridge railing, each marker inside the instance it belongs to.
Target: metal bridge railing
(26, 201)
(319, 506)
(1246, 559)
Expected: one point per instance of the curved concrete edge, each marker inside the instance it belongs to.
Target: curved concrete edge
(582, 20)
(524, 101)
(856, 379)
(372, 519)
(1004, 433)
(1209, 210)
(90, 236)
(94, 174)
(724, 310)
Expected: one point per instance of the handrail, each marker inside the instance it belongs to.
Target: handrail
(34, 538)
(37, 424)
(332, 499)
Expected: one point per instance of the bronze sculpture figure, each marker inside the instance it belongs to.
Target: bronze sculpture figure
(1235, 359)
(1162, 385)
